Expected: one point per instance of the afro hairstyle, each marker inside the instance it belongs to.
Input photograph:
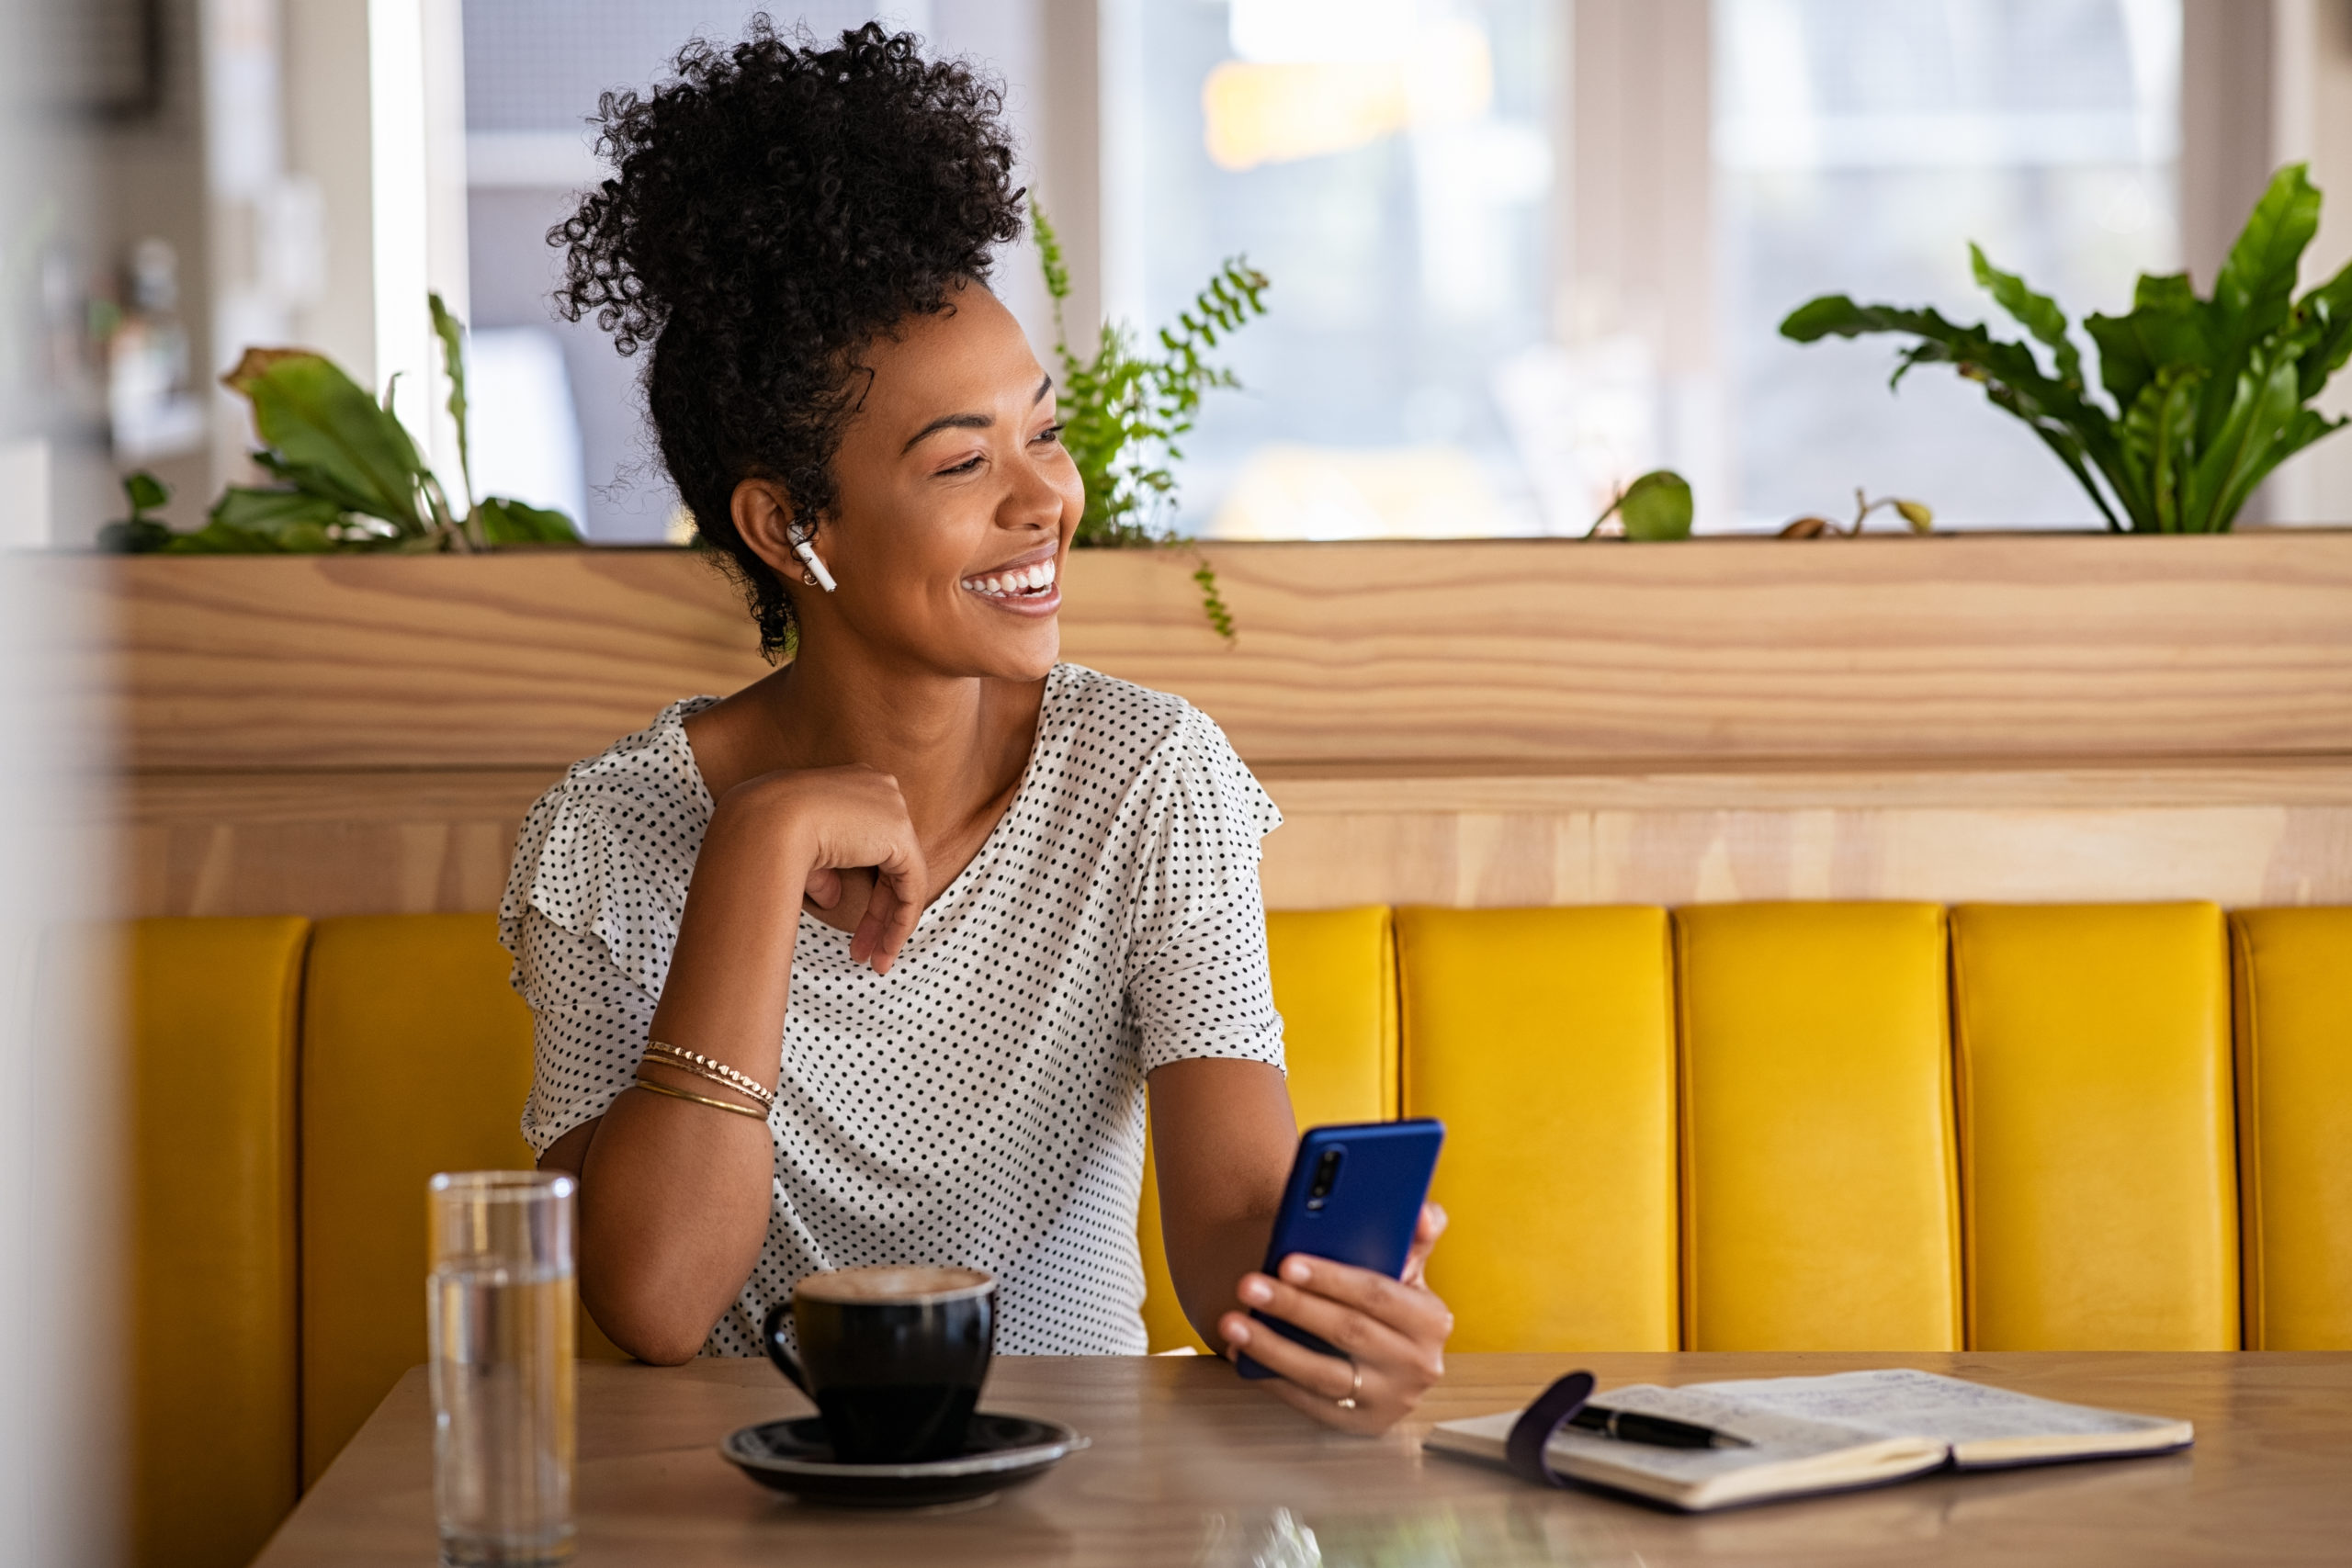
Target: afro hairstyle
(774, 209)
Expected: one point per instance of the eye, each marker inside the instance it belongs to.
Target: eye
(965, 466)
(1051, 432)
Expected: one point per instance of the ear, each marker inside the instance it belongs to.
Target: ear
(763, 517)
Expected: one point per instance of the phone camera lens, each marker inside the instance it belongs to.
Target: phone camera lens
(1326, 1176)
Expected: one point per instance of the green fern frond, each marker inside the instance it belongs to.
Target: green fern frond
(1125, 411)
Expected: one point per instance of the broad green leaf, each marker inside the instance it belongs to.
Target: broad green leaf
(2081, 434)
(2246, 449)
(218, 539)
(2253, 290)
(505, 522)
(2166, 328)
(317, 420)
(245, 521)
(1940, 342)
(275, 514)
(1656, 506)
(2326, 315)
(144, 491)
(2307, 426)
(2038, 313)
(2158, 436)
(2125, 367)
(2209, 394)
(135, 536)
(452, 333)
(314, 481)
(2075, 451)
(2253, 293)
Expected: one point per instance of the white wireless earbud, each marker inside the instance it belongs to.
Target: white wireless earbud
(808, 554)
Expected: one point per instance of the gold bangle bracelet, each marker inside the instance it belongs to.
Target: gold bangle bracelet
(746, 1088)
(709, 1067)
(749, 1110)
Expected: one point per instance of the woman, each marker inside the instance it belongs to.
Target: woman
(871, 961)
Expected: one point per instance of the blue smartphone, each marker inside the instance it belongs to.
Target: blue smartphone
(1354, 1196)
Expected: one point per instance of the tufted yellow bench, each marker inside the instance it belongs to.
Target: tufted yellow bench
(1766, 1126)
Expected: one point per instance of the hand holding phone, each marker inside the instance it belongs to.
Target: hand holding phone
(1354, 1196)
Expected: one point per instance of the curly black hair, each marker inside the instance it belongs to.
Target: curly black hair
(776, 208)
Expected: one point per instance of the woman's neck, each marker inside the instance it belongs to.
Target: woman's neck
(958, 745)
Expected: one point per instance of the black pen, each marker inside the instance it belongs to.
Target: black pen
(1632, 1426)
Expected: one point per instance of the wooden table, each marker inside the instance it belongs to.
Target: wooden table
(1190, 1467)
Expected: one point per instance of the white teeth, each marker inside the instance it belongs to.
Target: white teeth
(1028, 580)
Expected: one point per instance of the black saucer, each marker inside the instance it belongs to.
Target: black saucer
(999, 1452)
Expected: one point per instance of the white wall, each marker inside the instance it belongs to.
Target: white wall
(60, 1224)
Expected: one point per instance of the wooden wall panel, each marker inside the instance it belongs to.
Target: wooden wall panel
(421, 661)
(1460, 723)
(1477, 654)
(326, 844)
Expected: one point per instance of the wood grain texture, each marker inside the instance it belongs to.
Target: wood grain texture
(320, 843)
(1467, 654)
(366, 842)
(1483, 723)
(2051, 646)
(526, 660)
(1191, 1467)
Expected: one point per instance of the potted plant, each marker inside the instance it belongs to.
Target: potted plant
(349, 477)
(2208, 395)
(1123, 409)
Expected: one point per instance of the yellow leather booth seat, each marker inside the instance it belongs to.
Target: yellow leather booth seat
(1544, 1041)
(2294, 1062)
(1820, 1209)
(1750, 1147)
(210, 1019)
(1335, 985)
(415, 1059)
(2098, 1151)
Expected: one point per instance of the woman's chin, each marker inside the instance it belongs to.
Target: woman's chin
(1026, 653)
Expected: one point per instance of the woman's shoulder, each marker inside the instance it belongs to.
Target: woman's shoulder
(653, 767)
(1145, 746)
(1102, 717)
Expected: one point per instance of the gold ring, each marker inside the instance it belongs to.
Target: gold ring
(1355, 1385)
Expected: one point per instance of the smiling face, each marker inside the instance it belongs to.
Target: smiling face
(957, 504)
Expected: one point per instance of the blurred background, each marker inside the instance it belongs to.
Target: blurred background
(1520, 249)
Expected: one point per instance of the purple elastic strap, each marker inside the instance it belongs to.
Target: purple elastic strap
(1531, 1433)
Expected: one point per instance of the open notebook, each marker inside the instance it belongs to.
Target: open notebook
(1823, 1433)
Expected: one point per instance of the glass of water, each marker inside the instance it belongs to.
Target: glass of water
(500, 1303)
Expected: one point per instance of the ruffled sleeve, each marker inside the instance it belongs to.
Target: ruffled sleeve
(582, 863)
(591, 915)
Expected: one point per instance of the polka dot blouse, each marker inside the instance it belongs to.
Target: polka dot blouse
(981, 1104)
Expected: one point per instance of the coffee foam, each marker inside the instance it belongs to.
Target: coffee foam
(893, 1284)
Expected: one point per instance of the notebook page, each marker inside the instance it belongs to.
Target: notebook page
(1902, 1402)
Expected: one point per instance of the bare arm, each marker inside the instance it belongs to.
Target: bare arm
(1222, 1135)
(675, 1196)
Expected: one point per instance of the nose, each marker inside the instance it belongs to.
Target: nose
(1032, 500)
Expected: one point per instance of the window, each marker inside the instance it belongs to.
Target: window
(1388, 165)
(1493, 304)
(1859, 147)
(1521, 250)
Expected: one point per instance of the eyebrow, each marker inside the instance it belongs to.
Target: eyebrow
(968, 421)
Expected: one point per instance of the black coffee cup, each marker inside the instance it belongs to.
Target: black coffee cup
(894, 1358)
